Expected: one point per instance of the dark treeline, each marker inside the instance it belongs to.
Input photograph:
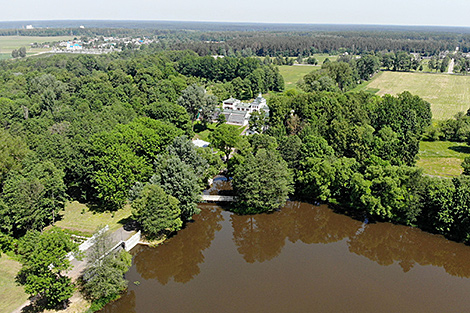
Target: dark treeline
(271, 42)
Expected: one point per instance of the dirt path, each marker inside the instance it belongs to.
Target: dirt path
(451, 66)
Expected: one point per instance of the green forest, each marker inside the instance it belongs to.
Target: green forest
(116, 129)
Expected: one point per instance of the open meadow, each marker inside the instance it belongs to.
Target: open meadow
(448, 94)
(9, 43)
(442, 158)
(292, 74)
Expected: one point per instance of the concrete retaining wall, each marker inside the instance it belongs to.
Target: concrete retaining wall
(133, 241)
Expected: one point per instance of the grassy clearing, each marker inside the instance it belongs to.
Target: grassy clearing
(9, 43)
(323, 56)
(78, 218)
(292, 74)
(448, 94)
(442, 158)
(11, 295)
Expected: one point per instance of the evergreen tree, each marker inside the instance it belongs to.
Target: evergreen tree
(156, 211)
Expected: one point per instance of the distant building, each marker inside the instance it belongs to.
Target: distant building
(238, 113)
(29, 27)
(73, 46)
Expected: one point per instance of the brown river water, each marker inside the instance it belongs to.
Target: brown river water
(303, 258)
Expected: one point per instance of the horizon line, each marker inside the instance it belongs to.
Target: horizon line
(233, 22)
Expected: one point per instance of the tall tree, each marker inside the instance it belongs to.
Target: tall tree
(225, 137)
(262, 182)
(192, 99)
(179, 180)
(33, 198)
(12, 151)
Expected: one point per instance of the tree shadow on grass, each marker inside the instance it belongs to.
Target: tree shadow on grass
(460, 149)
(100, 208)
(129, 224)
(39, 304)
(199, 127)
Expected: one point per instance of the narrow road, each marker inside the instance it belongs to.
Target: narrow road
(450, 70)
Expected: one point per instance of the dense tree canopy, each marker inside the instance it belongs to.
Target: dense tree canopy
(262, 182)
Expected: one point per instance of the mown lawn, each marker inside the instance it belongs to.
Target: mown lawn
(292, 74)
(442, 158)
(448, 94)
(11, 294)
(78, 218)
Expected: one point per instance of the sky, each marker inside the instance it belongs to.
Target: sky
(391, 12)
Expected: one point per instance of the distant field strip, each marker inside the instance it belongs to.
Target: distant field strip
(9, 43)
(448, 94)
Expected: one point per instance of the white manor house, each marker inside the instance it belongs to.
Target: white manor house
(238, 113)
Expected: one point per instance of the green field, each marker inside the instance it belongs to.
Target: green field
(77, 217)
(448, 94)
(9, 43)
(321, 57)
(292, 74)
(442, 158)
(11, 294)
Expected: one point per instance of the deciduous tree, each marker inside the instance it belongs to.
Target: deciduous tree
(44, 259)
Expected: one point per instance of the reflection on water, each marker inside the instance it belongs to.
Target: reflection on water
(225, 262)
(386, 244)
(179, 258)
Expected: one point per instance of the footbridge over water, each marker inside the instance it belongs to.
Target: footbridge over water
(217, 198)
